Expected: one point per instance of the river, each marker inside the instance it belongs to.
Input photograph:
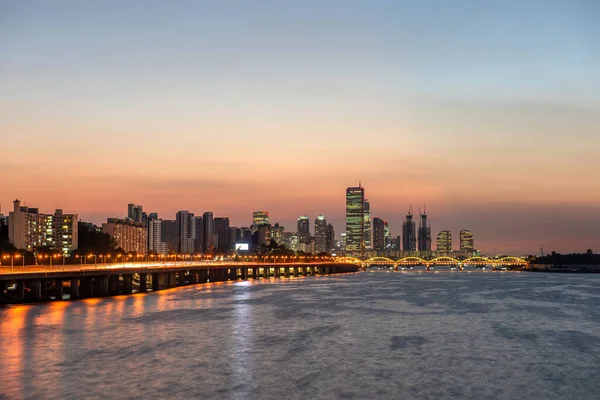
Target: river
(397, 335)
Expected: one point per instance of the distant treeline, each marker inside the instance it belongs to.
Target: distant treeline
(587, 258)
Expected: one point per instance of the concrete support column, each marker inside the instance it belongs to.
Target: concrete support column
(173, 279)
(3, 286)
(296, 271)
(233, 274)
(36, 290)
(155, 282)
(203, 275)
(127, 284)
(305, 271)
(113, 285)
(86, 287)
(244, 273)
(74, 289)
(58, 289)
(20, 289)
(101, 286)
(180, 281)
(143, 283)
(267, 272)
(192, 277)
(277, 271)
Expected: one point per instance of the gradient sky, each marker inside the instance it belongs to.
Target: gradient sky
(486, 111)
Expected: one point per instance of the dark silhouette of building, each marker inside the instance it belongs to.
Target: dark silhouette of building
(355, 219)
(330, 239)
(222, 231)
(444, 243)
(320, 234)
(424, 236)
(378, 234)
(409, 237)
(303, 229)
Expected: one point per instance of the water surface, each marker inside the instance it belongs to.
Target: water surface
(368, 335)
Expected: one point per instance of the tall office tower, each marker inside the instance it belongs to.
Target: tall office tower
(290, 240)
(444, 243)
(330, 239)
(199, 242)
(355, 219)
(155, 242)
(378, 234)
(277, 233)
(344, 241)
(424, 236)
(222, 231)
(208, 233)
(135, 212)
(235, 236)
(303, 229)
(368, 237)
(320, 234)
(186, 228)
(28, 229)
(259, 218)
(387, 236)
(396, 243)
(467, 246)
(409, 237)
(170, 235)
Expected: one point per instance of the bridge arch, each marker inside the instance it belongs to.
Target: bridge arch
(511, 261)
(379, 260)
(478, 260)
(444, 260)
(412, 261)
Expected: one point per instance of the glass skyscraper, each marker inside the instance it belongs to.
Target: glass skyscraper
(355, 219)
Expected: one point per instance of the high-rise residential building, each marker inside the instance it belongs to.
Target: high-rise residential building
(409, 236)
(467, 246)
(355, 219)
(135, 213)
(378, 235)
(169, 235)
(128, 235)
(199, 245)
(186, 227)
(321, 234)
(260, 218)
(264, 235)
(28, 229)
(155, 242)
(303, 229)
(235, 236)
(277, 232)
(330, 239)
(424, 236)
(222, 231)
(368, 237)
(210, 237)
(290, 240)
(444, 243)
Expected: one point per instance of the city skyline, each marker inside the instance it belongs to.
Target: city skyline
(489, 115)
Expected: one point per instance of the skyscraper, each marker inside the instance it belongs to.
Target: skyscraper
(355, 218)
(135, 212)
(199, 245)
(424, 236)
(444, 243)
(387, 237)
(260, 218)
(467, 246)
(378, 235)
(320, 234)
(170, 234)
(330, 239)
(155, 242)
(367, 225)
(186, 228)
(277, 234)
(303, 229)
(210, 237)
(409, 237)
(222, 231)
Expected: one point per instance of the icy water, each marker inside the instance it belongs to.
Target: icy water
(381, 335)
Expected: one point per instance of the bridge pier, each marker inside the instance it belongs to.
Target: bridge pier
(254, 273)
(74, 289)
(143, 282)
(86, 287)
(21, 290)
(58, 289)
(192, 277)
(113, 285)
(127, 284)
(232, 274)
(266, 272)
(36, 290)
(101, 286)
(244, 273)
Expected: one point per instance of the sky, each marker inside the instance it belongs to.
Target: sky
(486, 112)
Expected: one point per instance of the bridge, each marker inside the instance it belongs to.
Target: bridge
(44, 283)
(408, 262)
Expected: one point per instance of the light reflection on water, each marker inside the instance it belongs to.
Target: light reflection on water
(368, 335)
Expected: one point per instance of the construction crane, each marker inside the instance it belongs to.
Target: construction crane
(542, 250)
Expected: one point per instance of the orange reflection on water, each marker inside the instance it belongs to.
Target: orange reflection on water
(12, 325)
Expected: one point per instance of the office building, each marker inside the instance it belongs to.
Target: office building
(199, 244)
(355, 198)
(169, 235)
(467, 245)
(135, 213)
(290, 240)
(409, 237)
(260, 218)
(330, 239)
(263, 235)
(378, 235)
(28, 229)
(277, 232)
(128, 235)
(424, 236)
(444, 243)
(367, 225)
(321, 235)
(303, 229)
